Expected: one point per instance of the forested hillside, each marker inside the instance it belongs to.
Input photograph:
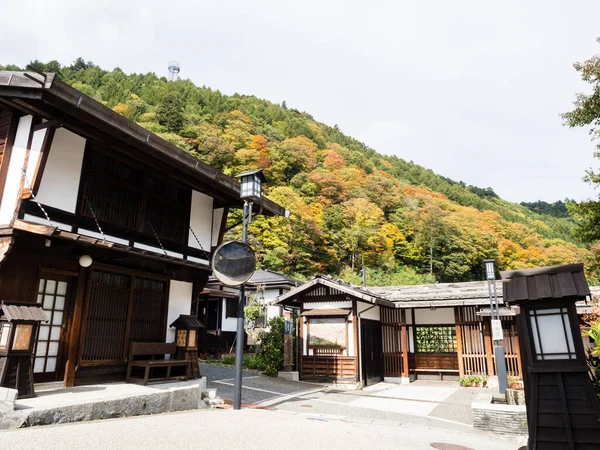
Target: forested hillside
(410, 224)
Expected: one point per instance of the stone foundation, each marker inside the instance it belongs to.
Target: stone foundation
(183, 397)
(497, 417)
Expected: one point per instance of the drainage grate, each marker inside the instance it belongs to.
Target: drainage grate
(445, 446)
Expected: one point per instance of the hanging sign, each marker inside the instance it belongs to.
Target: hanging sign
(497, 334)
(233, 263)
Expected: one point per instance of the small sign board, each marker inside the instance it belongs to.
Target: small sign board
(497, 334)
(287, 326)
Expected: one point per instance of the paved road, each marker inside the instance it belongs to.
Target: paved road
(247, 429)
(441, 405)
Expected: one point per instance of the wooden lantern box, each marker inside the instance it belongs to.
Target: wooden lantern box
(19, 325)
(187, 341)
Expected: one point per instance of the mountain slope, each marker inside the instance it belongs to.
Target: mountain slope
(408, 223)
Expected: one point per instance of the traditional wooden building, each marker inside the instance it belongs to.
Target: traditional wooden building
(357, 335)
(107, 226)
(217, 307)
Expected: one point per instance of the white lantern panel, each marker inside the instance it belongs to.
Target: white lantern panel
(51, 365)
(40, 298)
(42, 285)
(552, 336)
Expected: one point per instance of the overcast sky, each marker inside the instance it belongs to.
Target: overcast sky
(470, 89)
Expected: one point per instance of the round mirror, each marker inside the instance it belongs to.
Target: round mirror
(233, 263)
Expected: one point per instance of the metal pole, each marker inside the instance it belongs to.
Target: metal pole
(364, 272)
(239, 345)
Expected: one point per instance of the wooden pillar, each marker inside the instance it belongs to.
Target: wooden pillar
(404, 344)
(518, 348)
(356, 331)
(75, 332)
(459, 344)
(489, 355)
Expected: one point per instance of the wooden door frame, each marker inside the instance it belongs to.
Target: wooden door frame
(64, 340)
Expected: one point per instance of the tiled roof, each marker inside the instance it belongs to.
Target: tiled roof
(187, 322)
(12, 312)
(545, 283)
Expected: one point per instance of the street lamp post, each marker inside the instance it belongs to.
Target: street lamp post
(250, 191)
(496, 325)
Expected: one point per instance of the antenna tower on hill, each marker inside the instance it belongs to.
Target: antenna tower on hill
(174, 69)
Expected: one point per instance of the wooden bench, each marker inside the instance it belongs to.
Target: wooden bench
(154, 353)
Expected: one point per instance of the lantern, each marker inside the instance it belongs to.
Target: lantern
(19, 324)
(490, 270)
(186, 333)
(561, 403)
(251, 184)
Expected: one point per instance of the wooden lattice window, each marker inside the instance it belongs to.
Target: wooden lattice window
(436, 339)
(112, 191)
(106, 322)
(149, 309)
(166, 210)
(130, 198)
(108, 328)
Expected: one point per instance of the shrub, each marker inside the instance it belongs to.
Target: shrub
(472, 380)
(228, 360)
(272, 345)
(254, 361)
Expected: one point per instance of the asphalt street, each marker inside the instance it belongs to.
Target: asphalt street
(245, 429)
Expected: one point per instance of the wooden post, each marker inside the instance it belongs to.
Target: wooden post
(489, 356)
(356, 331)
(459, 346)
(288, 343)
(518, 348)
(404, 344)
(75, 331)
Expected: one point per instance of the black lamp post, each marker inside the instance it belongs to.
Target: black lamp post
(250, 191)
(496, 325)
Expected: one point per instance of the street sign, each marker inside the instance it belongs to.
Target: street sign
(233, 263)
(497, 334)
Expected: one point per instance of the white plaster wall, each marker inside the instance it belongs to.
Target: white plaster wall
(227, 323)
(13, 177)
(371, 314)
(411, 342)
(350, 350)
(409, 316)
(60, 181)
(305, 337)
(43, 221)
(216, 225)
(325, 305)
(180, 302)
(439, 316)
(201, 220)
(34, 154)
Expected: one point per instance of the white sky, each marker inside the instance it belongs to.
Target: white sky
(470, 89)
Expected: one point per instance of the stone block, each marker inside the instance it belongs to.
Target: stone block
(515, 396)
(291, 375)
(209, 393)
(185, 399)
(8, 397)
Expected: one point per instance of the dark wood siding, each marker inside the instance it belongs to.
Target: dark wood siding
(122, 308)
(118, 194)
(391, 329)
(339, 369)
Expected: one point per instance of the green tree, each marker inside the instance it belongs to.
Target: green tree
(586, 113)
(169, 112)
